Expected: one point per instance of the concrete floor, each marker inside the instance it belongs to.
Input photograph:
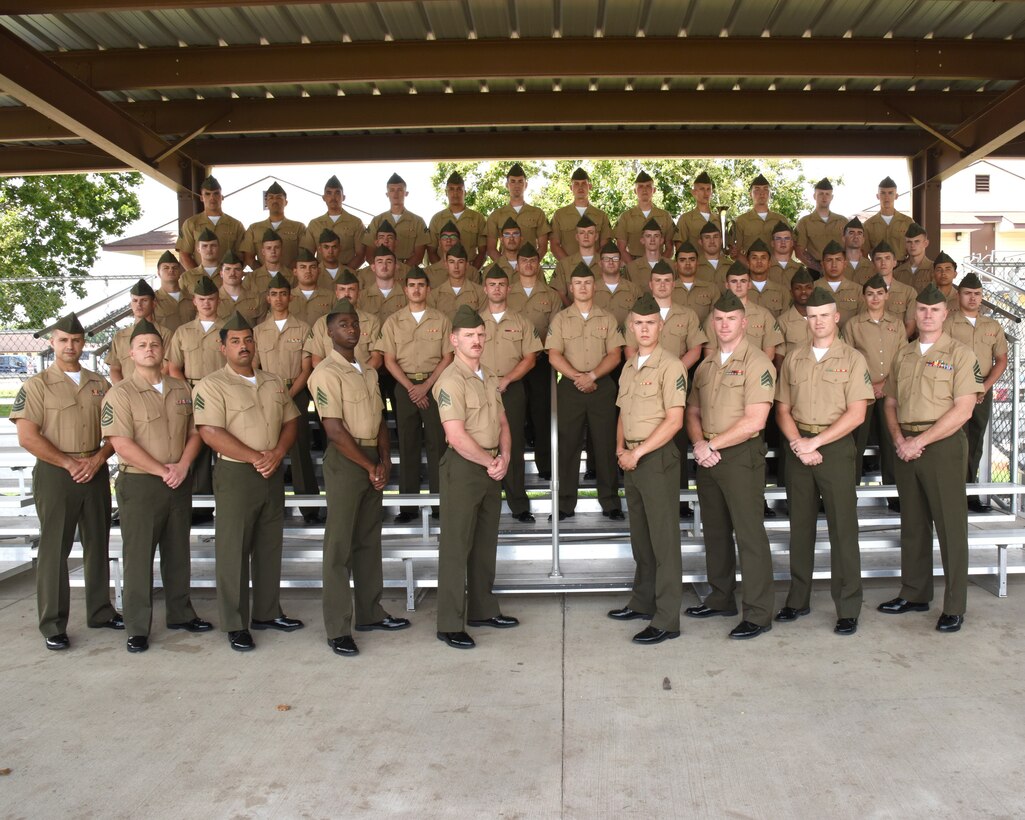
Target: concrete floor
(563, 717)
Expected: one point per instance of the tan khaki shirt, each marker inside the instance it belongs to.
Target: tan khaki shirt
(531, 219)
(416, 347)
(120, 350)
(508, 341)
(773, 297)
(630, 226)
(564, 226)
(901, 300)
(564, 270)
(260, 278)
(373, 301)
(290, 232)
(794, 327)
(639, 271)
(878, 341)
(647, 391)
(861, 273)
(714, 274)
(917, 277)
(229, 230)
(750, 226)
(724, 390)
(445, 298)
(925, 385)
(158, 422)
(251, 303)
(319, 344)
(762, 329)
(472, 225)
(196, 351)
(310, 309)
(68, 415)
(617, 303)
(281, 351)
(876, 230)
(462, 396)
(254, 414)
(437, 274)
(783, 274)
(410, 231)
(348, 227)
(681, 331)
(818, 392)
(584, 342)
(699, 297)
(539, 306)
(188, 280)
(985, 339)
(849, 298)
(340, 391)
(173, 313)
(690, 223)
(813, 234)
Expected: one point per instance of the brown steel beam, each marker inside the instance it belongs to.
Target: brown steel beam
(38, 83)
(196, 67)
(926, 197)
(1001, 122)
(73, 6)
(245, 116)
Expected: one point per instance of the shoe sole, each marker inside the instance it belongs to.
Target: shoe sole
(278, 628)
(669, 636)
(340, 653)
(242, 648)
(714, 613)
(136, 650)
(751, 635)
(60, 648)
(637, 617)
(185, 628)
(493, 626)
(800, 614)
(456, 645)
(845, 632)
(119, 628)
(370, 628)
(904, 611)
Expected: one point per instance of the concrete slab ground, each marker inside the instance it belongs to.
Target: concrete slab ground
(563, 717)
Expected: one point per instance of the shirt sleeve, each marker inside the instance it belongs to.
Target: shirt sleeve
(116, 418)
(28, 403)
(674, 383)
(759, 383)
(386, 340)
(554, 339)
(783, 383)
(859, 386)
(968, 377)
(449, 394)
(208, 405)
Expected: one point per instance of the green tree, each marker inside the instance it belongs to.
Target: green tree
(51, 228)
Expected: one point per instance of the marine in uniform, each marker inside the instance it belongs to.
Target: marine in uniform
(565, 221)
(756, 223)
(986, 339)
(270, 262)
(584, 344)
(859, 267)
(586, 252)
(410, 229)
(765, 292)
(530, 295)
(384, 294)
(634, 221)
(878, 335)
(119, 359)
(729, 405)
(57, 413)
(614, 292)
(688, 290)
(762, 329)
(289, 230)
(782, 265)
(228, 230)
(238, 294)
(712, 262)
(386, 238)
(208, 246)
(318, 343)
(529, 218)
(900, 298)
(931, 392)
(471, 224)
(346, 226)
(246, 416)
(652, 395)
(916, 269)
(448, 238)
(172, 307)
(416, 347)
(819, 228)
(279, 341)
(195, 352)
(823, 391)
(889, 225)
(652, 246)
(327, 253)
(511, 347)
(793, 323)
(943, 273)
(356, 468)
(847, 294)
(472, 470)
(148, 420)
(456, 290)
(310, 298)
(690, 223)
(509, 253)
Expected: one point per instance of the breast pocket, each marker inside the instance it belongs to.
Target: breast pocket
(55, 402)
(937, 384)
(241, 413)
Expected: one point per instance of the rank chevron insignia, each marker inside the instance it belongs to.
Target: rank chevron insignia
(19, 401)
(681, 383)
(868, 378)
(107, 417)
(199, 404)
(321, 396)
(766, 379)
(444, 399)
(978, 373)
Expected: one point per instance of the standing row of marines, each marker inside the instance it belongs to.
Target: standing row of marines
(584, 343)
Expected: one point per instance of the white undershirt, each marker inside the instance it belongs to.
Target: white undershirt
(924, 348)
(641, 360)
(687, 285)
(76, 376)
(386, 293)
(528, 291)
(517, 208)
(611, 286)
(210, 271)
(764, 216)
(214, 219)
(513, 263)
(280, 323)
(834, 285)
(276, 225)
(587, 259)
(177, 295)
(581, 209)
(971, 319)
(457, 215)
(584, 314)
(664, 312)
(334, 217)
(234, 298)
(479, 374)
(886, 219)
(706, 216)
(159, 387)
(456, 290)
(308, 293)
(250, 379)
(760, 286)
(206, 325)
(356, 365)
(723, 356)
(824, 218)
(396, 218)
(714, 263)
(418, 316)
(498, 316)
(819, 352)
(646, 212)
(332, 272)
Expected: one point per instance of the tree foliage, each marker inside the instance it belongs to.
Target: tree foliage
(613, 181)
(52, 228)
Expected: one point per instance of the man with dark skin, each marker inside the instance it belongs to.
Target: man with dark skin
(793, 322)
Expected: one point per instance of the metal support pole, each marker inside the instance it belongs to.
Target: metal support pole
(1015, 418)
(554, 429)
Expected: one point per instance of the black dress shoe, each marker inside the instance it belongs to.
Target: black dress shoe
(525, 517)
(893, 504)
(651, 635)
(386, 624)
(282, 624)
(457, 640)
(746, 629)
(343, 645)
(846, 626)
(563, 515)
(590, 475)
(313, 517)
(117, 622)
(241, 640)
(975, 504)
(58, 642)
(627, 614)
(500, 621)
(767, 511)
(788, 613)
(544, 475)
(685, 510)
(405, 517)
(138, 643)
(703, 611)
(435, 514)
(949, 623)
(195, 625)
(615, 515)
(202, 516)
(898, 606)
